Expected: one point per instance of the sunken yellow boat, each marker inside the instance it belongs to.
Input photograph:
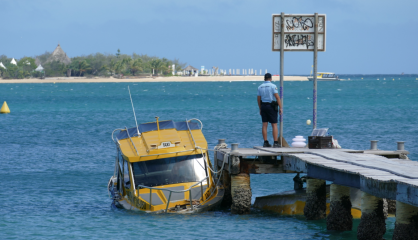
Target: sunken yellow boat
(163, 167)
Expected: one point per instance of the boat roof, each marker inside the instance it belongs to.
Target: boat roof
(152, 126)
(173, 139)
(325, 73)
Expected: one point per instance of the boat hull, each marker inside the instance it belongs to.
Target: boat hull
(293, 202)
(126, 203)
(324, 79)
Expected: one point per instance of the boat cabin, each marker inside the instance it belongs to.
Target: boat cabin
(162, 165)
(326, 75)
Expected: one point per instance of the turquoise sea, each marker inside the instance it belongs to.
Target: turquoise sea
(56, 152)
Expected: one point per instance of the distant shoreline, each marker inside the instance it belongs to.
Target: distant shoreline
(155, 79)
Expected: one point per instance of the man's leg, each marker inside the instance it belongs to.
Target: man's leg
(264, 130)
(275, 131)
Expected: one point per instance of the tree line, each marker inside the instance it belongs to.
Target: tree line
(98, 64)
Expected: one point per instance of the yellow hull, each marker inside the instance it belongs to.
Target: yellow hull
(297, 209)
(293, 202)
(160, 203)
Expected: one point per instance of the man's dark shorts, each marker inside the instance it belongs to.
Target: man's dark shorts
(268, 114)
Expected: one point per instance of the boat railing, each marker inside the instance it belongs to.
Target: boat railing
(117, 140)
(176, 191)
(133, 144)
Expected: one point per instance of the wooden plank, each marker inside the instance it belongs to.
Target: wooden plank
(344, 167)
(245, 152)
(281, 151)
(372, 161)
(413, 182)
(385, 153)
(386, 177)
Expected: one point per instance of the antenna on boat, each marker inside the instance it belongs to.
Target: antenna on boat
(133, 109)
(158, 128)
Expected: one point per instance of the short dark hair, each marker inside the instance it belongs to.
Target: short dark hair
(267, 76)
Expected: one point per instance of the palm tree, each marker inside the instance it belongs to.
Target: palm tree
(111, 67)
(83, 66)
(157, 64)
(135, 66)
(114, 67)
(119, 67)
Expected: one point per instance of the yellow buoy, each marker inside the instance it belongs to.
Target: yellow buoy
(308, 122)
(4, 108)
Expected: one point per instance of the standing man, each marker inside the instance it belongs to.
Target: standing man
(267, 93)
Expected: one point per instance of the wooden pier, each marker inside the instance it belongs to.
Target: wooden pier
(377, 174)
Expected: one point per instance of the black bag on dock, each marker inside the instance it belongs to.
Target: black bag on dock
(319, 142)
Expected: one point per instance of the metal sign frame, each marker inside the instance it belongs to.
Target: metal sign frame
(300, 35)
(306, 29)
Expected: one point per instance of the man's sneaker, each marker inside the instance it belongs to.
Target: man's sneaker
(276, 145)
(266, 144)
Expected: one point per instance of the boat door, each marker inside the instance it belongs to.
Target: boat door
(123, 180)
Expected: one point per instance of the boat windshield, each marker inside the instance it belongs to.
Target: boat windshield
(328, 75)
(191, 168)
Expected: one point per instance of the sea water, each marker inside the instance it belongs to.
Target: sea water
(56, 152)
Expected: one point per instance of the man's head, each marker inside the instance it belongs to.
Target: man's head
(267, 77)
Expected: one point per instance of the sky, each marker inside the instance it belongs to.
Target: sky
(363, 37)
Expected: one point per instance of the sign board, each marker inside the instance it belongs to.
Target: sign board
(299, 32)
(166, 145)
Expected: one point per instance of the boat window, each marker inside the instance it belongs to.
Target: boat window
(120, 184)
(191, 168)
(120, 158)
(126, 174)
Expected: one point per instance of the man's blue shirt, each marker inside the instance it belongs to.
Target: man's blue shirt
(267, 91)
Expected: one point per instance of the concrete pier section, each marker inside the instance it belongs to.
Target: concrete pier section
(372, 225)
(340, 217)
(316, 199)
(381, 178)
(406, 226)
(241, 193)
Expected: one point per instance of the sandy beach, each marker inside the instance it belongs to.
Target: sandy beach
(154, 79)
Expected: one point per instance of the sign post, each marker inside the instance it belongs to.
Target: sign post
(281, 78)
(299, 32)
(315, 73)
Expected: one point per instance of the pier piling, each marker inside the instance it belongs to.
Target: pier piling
(372, 224)
(226, 182)
(241, 193)
(340, 217)
(406, 226)
(316, 199)
(391, 206)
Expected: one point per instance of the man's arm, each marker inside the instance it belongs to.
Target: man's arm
(279, 102)
(259, 103)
